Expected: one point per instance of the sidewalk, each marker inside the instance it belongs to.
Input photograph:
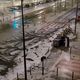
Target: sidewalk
(65, 70)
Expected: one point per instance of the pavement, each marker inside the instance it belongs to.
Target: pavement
(67, 63)
(60, 65)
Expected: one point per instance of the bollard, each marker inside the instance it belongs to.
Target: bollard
(17, 76)
(72, 75)
(57, 73)
(42, 60)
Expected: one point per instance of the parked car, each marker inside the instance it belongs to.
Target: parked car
(26, 6)
(61, 41)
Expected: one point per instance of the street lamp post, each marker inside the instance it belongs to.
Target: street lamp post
(55, 8)
(76, 16)
(60, 6)
(25, 69)
(70, 52)
(72, 3)
(65, 4)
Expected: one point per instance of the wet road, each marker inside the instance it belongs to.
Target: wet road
(11, 32)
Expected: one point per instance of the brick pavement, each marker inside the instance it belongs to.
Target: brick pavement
(67, 65)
